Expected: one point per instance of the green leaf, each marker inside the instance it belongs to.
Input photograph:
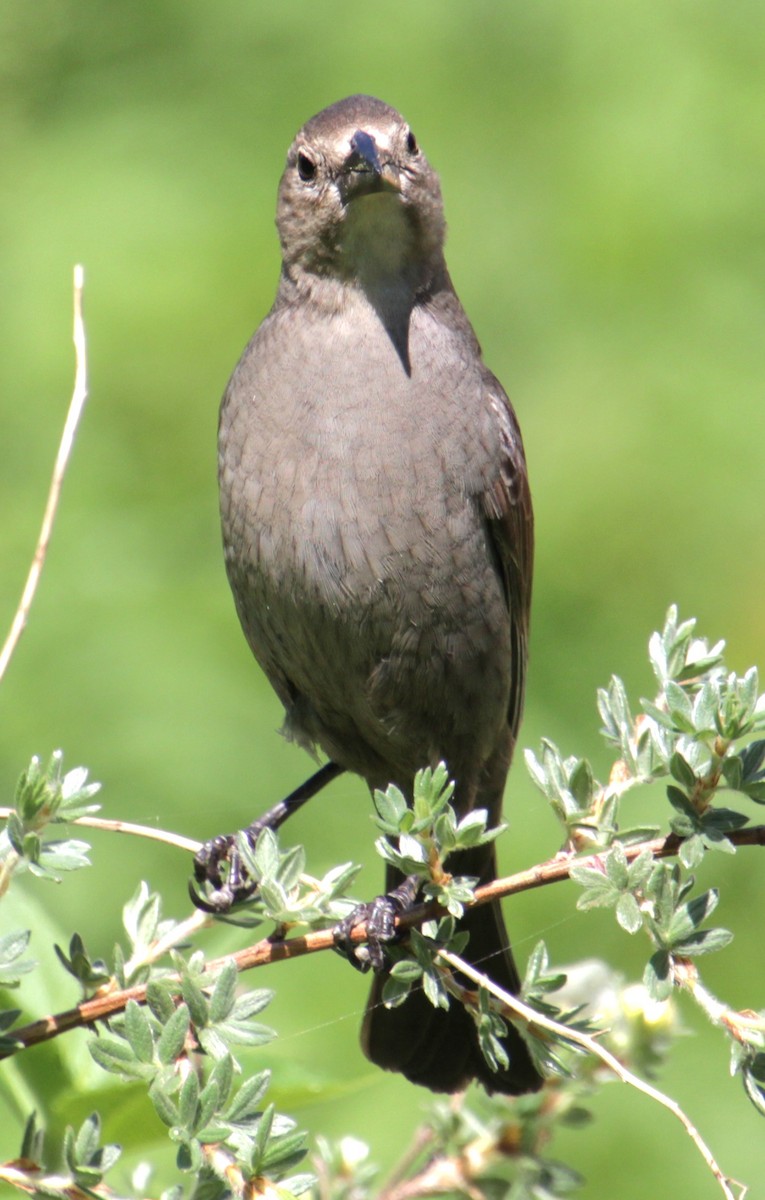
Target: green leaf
(297, 1185)
(703, 941)
(591, 878)
(691, 851)
(689, 916)
(754, 1082)
(407, 970)
(682, 771)
(733, 771)
(284, 1153)
(188, 1102)
(165, 1107)
(266, 855)
(657, 977)
(246, 1102)
(209, 1102)
(12, 946)
(32, 1141)
(222, 1076)
(628, 913)
(115, 1055)
(752, 759)
(395, 991)
(291, 867)
(680, 707)
(140, 916)
(138, 1032)
(434, 991)
(262, 1134)
(706, 707)
(87, 1139)
(617, 868)
(581, 783)
(224, 992)
(196, 1002)
(236, 1033)
(159, 999)
(251, 1003)
(391, 807)
(172, 1040)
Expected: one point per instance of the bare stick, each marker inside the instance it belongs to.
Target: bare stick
(62, 459)
(535, 1019)
(111, 825)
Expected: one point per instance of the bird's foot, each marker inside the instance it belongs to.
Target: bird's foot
(220, 876)
(379, 916)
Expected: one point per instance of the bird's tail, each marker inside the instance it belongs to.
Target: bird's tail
(439, 1049)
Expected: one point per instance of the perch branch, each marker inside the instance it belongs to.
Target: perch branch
(110, 1001)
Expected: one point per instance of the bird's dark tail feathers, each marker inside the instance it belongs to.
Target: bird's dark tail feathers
(439, 1049)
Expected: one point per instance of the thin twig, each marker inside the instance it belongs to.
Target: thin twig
(536, 1020)
(76, 404)
(114, 826)
(30, 1178)
(175, 936)
(424, 1137)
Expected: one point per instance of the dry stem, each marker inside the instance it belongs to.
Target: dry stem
(76, 405)
(535, 1020)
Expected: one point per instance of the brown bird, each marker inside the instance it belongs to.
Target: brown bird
(378, 530)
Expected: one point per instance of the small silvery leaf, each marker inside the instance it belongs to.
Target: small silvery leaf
(434, 991)
(223, 993)
(703, 941)
(680, 708)
(138, 1032)
(657, 977)
(628, 913)
(616, 866)
(412, 849)
(196, 1002)
(406, 969)
(86, 1141)
(682, 771)
(160, 1001)
(390, 806)
(246, 1103)
(266, 855)
(188, 1101)
(164, 1105)
(691, 851)
(115, 1055)
(173, 1037)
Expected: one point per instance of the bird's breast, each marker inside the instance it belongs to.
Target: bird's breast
(341, 466)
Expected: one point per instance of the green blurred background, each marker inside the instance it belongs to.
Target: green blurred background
(602, 167)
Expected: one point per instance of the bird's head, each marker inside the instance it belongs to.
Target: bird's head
(358, 199)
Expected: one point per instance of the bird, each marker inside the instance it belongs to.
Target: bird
(378, 531)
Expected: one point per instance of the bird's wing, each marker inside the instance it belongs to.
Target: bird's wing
(510, 522)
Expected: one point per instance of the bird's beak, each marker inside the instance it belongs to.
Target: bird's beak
(364, 171)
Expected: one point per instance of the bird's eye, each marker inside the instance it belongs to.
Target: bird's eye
(306, 167)
(411, 143)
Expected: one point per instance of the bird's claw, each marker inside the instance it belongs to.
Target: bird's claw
(379, 917)
(220, 877)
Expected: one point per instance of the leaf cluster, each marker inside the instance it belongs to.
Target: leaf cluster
(418, 836)
(160, 1044)
(696, 736)
(284, 893)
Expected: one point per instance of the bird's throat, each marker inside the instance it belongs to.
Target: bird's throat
(378, 241)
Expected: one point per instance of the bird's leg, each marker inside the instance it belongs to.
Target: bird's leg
(379, 916)
(233, 885)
